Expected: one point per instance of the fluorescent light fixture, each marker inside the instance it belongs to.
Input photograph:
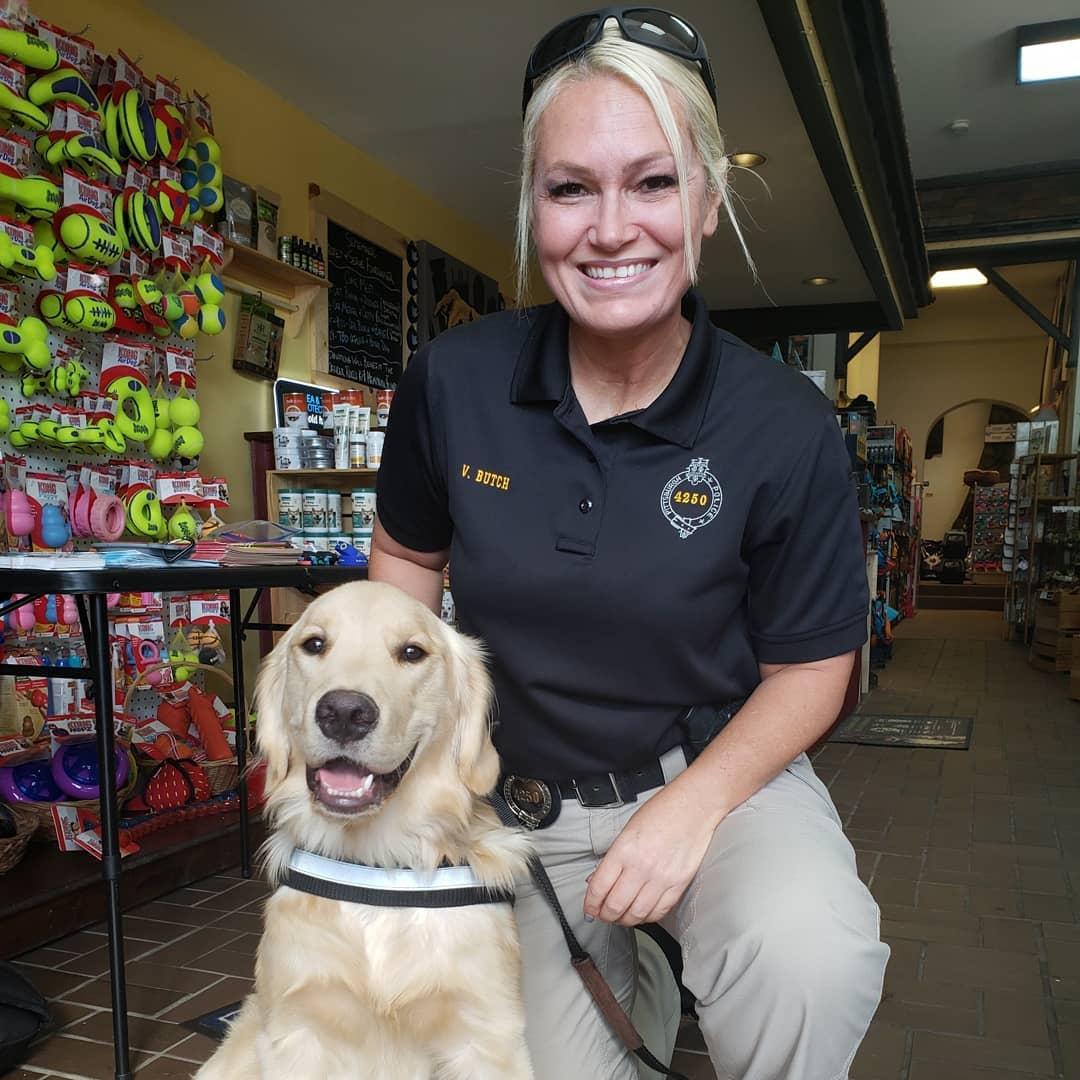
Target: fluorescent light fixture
(1046, 51)
(954, 279)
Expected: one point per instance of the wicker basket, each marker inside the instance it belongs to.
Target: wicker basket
(14, 848)
(222, 775)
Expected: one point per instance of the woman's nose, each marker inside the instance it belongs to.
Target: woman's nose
(614, 227)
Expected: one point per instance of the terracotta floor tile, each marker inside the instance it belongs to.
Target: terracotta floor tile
(143, 1034)
(77, 1057)
(224, 992)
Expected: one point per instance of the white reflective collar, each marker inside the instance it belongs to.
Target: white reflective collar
(378, 877)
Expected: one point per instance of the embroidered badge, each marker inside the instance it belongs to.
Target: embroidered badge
(692, 498)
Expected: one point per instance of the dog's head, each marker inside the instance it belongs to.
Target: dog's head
(370, 702)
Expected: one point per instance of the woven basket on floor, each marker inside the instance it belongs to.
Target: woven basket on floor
(13, 848)
(222, 775)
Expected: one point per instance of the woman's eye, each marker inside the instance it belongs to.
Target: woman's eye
(313, 645)
(567, 190)
(412, 654)
(659, 183)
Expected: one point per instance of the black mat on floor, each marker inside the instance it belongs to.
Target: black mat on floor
(936, 732)
(214, 1024)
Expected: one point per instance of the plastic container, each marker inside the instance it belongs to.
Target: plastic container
(291, 509)
(314, 512)
(294, 410)
(363, 511)
(374, 449)
(333, 512)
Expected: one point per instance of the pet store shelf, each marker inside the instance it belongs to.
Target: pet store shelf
(289, 289)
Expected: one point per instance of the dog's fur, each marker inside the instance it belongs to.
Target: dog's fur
(350, 992)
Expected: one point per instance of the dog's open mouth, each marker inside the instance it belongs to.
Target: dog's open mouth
(347, 787)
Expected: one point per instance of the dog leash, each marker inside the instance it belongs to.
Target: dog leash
(582, 962)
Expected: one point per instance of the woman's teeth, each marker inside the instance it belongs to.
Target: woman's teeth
(616, 271)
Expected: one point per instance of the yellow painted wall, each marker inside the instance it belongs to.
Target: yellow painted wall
(267, 141)
(863, 371)
(962, 447)
(971, 344)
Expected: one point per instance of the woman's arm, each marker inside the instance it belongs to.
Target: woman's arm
(419, 573)
(646, 871)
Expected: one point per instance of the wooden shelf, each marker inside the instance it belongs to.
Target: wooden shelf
(289, 289)
(307, 474)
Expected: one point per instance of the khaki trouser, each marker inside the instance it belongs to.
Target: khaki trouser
(779, 938)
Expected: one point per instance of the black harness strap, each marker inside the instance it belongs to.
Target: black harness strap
(465, 896)
(582, 962)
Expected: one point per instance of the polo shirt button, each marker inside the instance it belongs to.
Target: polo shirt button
(585, 505)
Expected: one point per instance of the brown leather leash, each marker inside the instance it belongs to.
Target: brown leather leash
(583, 963)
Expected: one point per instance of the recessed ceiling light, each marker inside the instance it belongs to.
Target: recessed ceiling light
(747, 160)
(1046, 51)
(953, 279)
(819, 280)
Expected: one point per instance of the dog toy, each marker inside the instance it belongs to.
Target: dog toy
(144, 516)
(55, 531)
(90, 312)
(135, 416)
(172, 141)
(18, 513)
(172, 202)
(183, 525)
(5, 416)
(206, 720)
(63, 84)
(22, 112)
(32, 261)
(112, 438)
(91, 239)
(211, 319)
(32, 781)
(28, 49)
(28, 338)
(50, 304)
(137, 126)
(188, 442)
(184, 410)
(41, 197)
(143, 223)
(75, 769)
(45, 236)
(160, 445)
(85, 149)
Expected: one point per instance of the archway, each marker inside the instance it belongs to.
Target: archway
(954, 443)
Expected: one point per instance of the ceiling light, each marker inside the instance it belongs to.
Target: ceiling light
(1047, 51)
(819, 280)
(954, 279)
(748, 160)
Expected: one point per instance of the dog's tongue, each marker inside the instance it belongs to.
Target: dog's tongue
(342, 775)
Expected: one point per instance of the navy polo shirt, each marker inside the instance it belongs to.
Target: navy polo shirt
(622, 571)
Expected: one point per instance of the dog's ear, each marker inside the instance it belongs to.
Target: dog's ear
(477, 761)
(270, 734)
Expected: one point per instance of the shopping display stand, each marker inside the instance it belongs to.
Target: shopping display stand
(90, 589)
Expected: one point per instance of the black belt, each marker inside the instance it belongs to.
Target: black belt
(536, 803)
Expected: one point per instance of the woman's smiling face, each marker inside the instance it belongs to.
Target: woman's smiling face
(607, 218)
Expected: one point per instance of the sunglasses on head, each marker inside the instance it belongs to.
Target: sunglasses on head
(645, 26)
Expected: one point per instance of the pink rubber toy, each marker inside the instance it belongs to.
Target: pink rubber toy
(17, 511)
(107, 517)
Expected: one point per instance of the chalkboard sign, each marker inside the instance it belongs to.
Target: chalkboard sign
(364, 315)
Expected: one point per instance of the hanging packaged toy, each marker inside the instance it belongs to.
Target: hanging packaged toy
(85, 224)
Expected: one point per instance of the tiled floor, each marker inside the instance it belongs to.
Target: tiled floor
(974, 857)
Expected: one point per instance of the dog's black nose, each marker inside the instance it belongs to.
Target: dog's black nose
(346, 715)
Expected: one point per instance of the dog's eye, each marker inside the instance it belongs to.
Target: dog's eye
(313, 645)
(411, 654)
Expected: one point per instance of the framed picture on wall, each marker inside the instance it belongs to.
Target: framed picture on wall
(446, 293)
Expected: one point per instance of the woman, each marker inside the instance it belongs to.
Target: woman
(643, 515)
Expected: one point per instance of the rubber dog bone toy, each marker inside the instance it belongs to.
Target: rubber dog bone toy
(23, 112)
(28, 338)
(87, 148)
(36, 261)
(34, 193)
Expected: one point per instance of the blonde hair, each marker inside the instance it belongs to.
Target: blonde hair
(652, 72)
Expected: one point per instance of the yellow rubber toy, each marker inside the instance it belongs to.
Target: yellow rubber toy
(25, 113)
(63, 84)
(135, 416)
(40, 196)
(28, 49)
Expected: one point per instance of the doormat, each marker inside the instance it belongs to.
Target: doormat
(214, 1024)
(935, 732)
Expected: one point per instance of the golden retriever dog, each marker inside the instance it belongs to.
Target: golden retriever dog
(373, 723)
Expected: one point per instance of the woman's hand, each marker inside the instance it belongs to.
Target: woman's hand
(652, 861)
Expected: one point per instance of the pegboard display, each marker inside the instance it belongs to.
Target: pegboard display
(110, 183)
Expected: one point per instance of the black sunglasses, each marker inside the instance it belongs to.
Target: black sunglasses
(645, 26)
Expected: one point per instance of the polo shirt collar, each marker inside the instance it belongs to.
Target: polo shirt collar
(542, 373)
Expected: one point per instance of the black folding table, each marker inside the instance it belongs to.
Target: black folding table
(90, 589)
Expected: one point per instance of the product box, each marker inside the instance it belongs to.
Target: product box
(996, 433)
(237, 223)
(266, 214)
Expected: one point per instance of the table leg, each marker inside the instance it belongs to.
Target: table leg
(97, 647)
(236, 628)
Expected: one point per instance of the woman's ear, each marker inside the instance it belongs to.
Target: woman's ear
(271, 737)
(475, 756)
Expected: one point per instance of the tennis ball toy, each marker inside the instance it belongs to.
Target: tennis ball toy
(161, 409)
(172, 307)
(186, 326)
(188, 442)
(207, 149)
(45, 236)
(209, 289)
(184, 410)
(211, 319)
(160, 444)
(182, 525)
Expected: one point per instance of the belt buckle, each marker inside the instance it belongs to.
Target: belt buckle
(534, 803)
(592, 800)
